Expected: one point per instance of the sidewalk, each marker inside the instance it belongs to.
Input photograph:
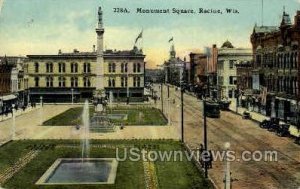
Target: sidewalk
(19, 112)
(259, 117)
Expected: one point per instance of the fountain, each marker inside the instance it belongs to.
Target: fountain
(83, 170)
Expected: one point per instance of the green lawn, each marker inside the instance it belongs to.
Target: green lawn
(130, 174)
(136, 116)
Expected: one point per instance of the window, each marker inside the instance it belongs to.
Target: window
(74, 67)
(36, 81)
(49, 81)
(136, 81)
(61, 81)
(111, 82)
(231, 64)
(87, 68)
(138, 67)
(74, 82)
(61, 67)
(230, 93)
(111, 67)
(124, 67)
(86, 82)
(49, 67)
(134, 67)
(124, 81)
(36, 67)
(231, 80)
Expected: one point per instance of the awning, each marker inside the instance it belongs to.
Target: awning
(8, 97)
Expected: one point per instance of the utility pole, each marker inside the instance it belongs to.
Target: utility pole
(161, 97)
(205, 138)
(181, 98)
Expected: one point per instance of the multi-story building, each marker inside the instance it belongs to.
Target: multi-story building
(75, 76)
(198, 63)
(228, 59)
(203, 71)
(276, 67)
(13, 82)
(175, 69)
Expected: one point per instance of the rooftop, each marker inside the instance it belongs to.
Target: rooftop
(265, 29)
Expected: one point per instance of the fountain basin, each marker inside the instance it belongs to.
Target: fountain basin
(78, 171)
(117, 116)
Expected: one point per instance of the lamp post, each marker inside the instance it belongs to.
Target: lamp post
(41, 101)
(127, 87)
(227, 176)
(161, 97)
(13, 122)
(72, 95)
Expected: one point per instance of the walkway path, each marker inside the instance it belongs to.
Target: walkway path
(9, 172)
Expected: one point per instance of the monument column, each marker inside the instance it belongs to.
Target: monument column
(100, 59)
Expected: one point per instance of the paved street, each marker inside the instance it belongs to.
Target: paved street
(242, 135)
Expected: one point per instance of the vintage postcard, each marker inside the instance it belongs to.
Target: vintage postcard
(149, 94)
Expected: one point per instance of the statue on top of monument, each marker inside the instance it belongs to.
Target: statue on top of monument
(99, 15)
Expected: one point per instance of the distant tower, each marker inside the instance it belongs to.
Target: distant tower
(172, 52)
(100, 59)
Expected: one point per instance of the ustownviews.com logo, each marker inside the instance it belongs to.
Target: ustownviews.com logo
(137, 154)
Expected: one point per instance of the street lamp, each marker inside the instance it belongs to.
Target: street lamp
(127, 86)
(41, 101)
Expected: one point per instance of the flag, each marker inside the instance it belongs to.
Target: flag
(139, 36)
(171, 39)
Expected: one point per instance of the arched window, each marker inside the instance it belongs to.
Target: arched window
(113, 67)
(61, 67)
(110, 67)
(74, 82)
(49, 81)
(61, 81)
(36, 67)
(74, 67)
(36, 81)
(86, 82)
(122, 67)
(86, 67)
(134, 67)
(111, 82)
(49, 67)
(138, 67)
(124, 81)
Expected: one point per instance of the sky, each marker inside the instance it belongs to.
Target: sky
(44, 26)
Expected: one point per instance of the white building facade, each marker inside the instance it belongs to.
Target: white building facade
(228, 58)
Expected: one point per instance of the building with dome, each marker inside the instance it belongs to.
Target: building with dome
(229, 57)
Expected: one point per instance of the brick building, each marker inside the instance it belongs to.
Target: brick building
(276, 68)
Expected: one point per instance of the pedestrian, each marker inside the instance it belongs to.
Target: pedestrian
(201, 149)
(210, 159)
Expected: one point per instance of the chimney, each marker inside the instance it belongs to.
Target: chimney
(75, 51)
(59, 51)
(94, 48)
